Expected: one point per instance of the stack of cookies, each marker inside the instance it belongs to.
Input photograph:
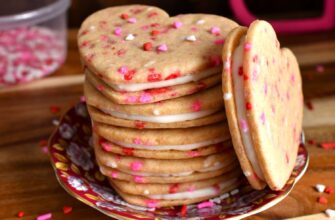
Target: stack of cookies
(153, 90)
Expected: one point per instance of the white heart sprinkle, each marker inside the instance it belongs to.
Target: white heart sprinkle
(130, 37)
(156, 112)
(227, 96)
(320, 187)
(191, 38)
(330, 213)
(200, 21)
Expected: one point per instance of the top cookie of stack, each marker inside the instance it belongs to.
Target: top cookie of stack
(139, 55)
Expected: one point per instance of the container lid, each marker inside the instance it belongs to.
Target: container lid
(31, 17)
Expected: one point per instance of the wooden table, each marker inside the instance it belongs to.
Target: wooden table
(27, 180)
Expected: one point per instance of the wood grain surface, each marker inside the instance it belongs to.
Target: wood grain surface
(28, 183)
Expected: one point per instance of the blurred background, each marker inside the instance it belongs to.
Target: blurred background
(261, 8)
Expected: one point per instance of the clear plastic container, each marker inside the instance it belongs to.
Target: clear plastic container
(33, 39)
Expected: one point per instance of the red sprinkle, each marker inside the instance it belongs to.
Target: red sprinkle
(154, 33)
(154, 77)
(147, 46)
(329, 145)
(139, 124)
(240, 71)
(311, 142)
(183, 210)
(329, 190)
(322, 200)
(309, 105)
(173, 75)
(129, 75)
(124, 16)
(54, 109)
(43, 143)
(248, 106)
(20, 214)
(67, 209)
(174, 188)
(128, 151)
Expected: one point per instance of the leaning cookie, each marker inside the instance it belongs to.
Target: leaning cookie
(156, 95)
(101, 117)
(113, 173)
(263, 101)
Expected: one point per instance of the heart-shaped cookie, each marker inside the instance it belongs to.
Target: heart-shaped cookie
(140, 47)
(264, 102)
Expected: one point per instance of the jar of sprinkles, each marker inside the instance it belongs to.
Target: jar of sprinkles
(32, 39)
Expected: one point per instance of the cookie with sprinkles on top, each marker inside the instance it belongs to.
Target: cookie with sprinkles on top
(137, 47)
(263, 101)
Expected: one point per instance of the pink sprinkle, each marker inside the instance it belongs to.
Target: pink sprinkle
(247, 46)
(216, 60)
(45, 150)
(196, 106)
(114, 174)
(193, 153)
(136, 166)
(132, 20)
(44, 216)
(104, 37)
(151, 203)
(244, 125)
(320, 68)
(106, 146)
(100, 87)
(215, 30)
(123, 70)
(205, 204)
(131, 99)
(82, 98)
(162, 47)
(263, 118)
(177, 24)
(139, 179)
(137, 140)
(219, 41)
(191, 188)
(145, 97)
(118, 31)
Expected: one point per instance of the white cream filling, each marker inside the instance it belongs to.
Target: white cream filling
(161, 118)
(205, 192)
(186, 173)
(184, 147)
(241, 109)
(171, 82)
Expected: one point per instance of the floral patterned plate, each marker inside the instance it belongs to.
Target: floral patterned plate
(73, 160)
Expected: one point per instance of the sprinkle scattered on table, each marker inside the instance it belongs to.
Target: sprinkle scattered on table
(67, 209)
(20, 214)
(45, 216)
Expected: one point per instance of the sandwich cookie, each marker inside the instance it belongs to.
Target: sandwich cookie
(164, 139)
(99, 116)
(190, 176)
(184, 198)
(108, 146)
(175, 190)
(138, 47)
(144, 166)
(264, 102)
(156, 95)
(180, 109)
